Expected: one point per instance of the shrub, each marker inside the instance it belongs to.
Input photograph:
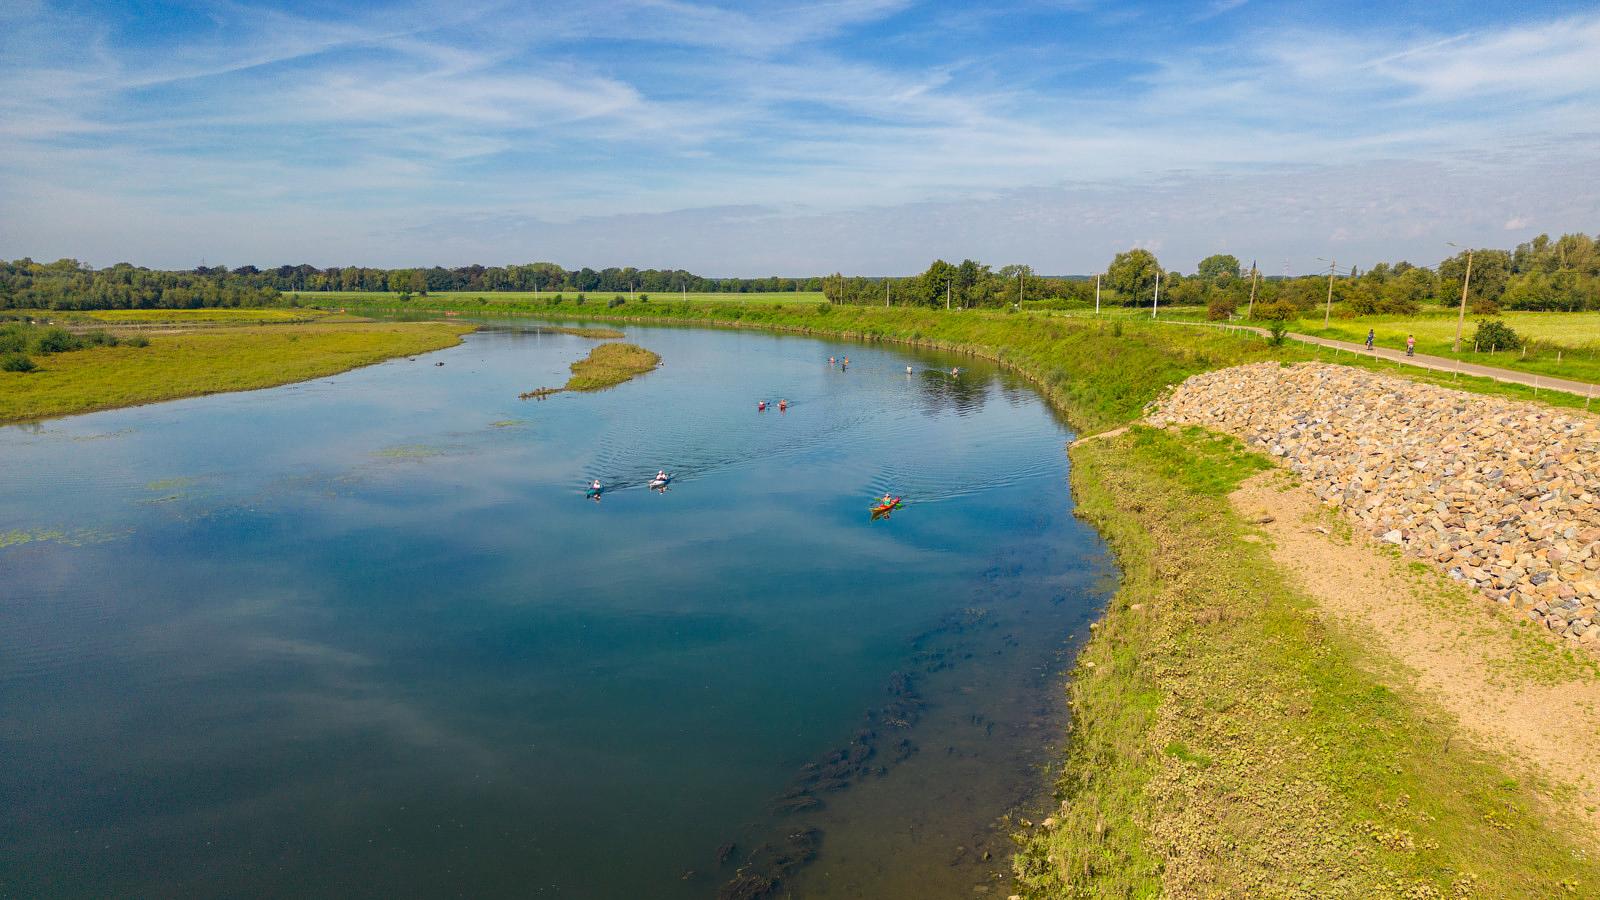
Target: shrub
(137, 340)
(1220, 308)
(615, 302)
(16, 362)
(582, 299)
(13, 339)
(1495, 334)
(1278, 310)
(55, 340)
(644, 298)
(1276, 331)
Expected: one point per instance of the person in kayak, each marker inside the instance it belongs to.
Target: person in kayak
(887, 500)
(595, 486)
(661, 475)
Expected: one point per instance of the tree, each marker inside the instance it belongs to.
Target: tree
(1491, 269)
(1133, 275)
(931, 284)
(1218, 265)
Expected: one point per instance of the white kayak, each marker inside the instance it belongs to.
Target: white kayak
(660, 482)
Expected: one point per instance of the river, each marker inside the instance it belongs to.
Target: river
(364, 636)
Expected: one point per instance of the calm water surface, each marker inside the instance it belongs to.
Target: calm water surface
(363, 636)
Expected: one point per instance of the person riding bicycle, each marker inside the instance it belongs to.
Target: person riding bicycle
(1370, 336)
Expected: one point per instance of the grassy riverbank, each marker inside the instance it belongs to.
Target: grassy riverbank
(208, 361)
(1227, 740)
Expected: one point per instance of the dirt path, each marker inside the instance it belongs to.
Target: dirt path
(1510, 685)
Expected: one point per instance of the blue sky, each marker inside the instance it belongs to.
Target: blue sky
(867, 136)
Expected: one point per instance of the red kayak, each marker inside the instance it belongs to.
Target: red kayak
(882, 508)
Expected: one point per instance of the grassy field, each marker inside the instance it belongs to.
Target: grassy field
(207, 361)
(1564, 345)
(227, 316)
(469, 299)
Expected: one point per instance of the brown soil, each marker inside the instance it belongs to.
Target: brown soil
(1510, 685)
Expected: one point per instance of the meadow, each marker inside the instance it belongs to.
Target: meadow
(244, 315)
(207, 361)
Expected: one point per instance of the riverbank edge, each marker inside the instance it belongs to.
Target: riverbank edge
(179, 391)
(1371, 817)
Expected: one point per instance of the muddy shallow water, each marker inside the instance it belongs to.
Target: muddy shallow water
(365, 636)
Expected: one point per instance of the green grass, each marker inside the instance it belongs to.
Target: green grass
(606, 366)
(231, 316)
(1227, 742)
(205, 362)
(469, 299)
(609, 365)
(1564, 345)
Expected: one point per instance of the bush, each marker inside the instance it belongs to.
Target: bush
(1276, 331)
(1278, 310)
(13, 339)
(644, 298)
(137, 340)
(615, 302)
(55, 340)
(1220, 308)
(582, 299)
(16, 362)
(1495, 334)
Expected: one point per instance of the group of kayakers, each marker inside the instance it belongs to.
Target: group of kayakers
(659, 482)
(761, 406)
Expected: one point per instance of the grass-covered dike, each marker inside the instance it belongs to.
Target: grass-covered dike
(1227, 740)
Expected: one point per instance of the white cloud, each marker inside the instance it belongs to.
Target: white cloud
(654, 106)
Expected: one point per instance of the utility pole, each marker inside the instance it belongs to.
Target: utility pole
(947, 295)
(1097, 296)
(1157, 301)
(1250, 310)
(1327, 313)
(1019, 290)
(1461, 317)
(886, 292)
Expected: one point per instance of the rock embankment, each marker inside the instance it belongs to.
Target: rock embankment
(1503, 495)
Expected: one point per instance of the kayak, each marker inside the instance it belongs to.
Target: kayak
(592, 492)
(882, 508)
(660, 482)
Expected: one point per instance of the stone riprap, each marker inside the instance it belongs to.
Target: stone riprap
(1500, 494)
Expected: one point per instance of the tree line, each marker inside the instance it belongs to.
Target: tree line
(68, 284)
(1541, 274)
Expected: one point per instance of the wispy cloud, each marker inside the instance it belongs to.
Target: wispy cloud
(266, 118)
